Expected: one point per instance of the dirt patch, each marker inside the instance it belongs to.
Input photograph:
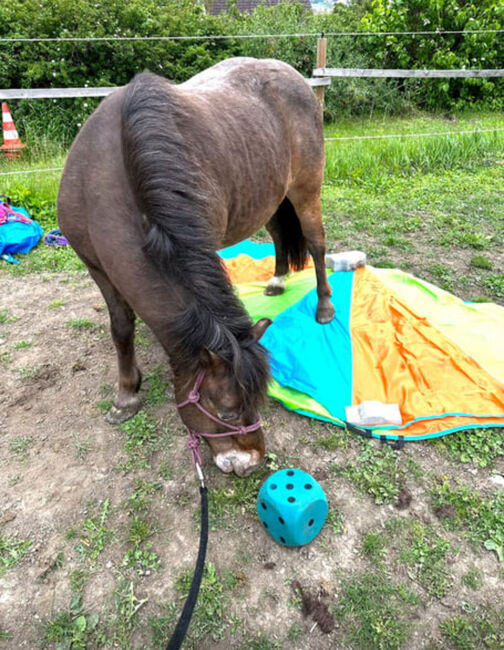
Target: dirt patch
(62, 467)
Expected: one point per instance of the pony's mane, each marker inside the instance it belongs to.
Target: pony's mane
(168, 190)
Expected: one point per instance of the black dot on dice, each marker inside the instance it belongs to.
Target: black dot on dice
(289, 486)
(281, 520)
(265, 524)
(273, 486)
(310, 523)
(308, 486)
(263, 505)
(291, 499)
(290, 473)
(282, 540)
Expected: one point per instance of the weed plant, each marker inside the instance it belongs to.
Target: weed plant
(481, 447)
(12, 550)
(478, 518)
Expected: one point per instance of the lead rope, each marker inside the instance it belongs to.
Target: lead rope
(193, 398)
(180, 631)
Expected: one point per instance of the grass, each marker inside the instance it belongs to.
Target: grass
(139, 499)
(19, 446)
(22, 345)
(157, 386)
(481, 447)
(374, 546)
(473, 579)
(71, 629)
(480, 519)
(56, 304)
(227, 505)
(426, 554)
(6, 319)
(84, 325)
(12, 550)
(140, 430)
(373, 612)
(210, 618)
(94, 535)
(419, 548)
(127, 606)
(483, 628)
(82, 445)
(372, 161)
(379, 472)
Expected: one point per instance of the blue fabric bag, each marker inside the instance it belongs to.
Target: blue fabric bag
(18, 233)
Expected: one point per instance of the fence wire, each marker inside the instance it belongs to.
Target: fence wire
(330, 139)
(196, 37)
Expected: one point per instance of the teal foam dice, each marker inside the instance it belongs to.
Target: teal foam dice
(292, 507)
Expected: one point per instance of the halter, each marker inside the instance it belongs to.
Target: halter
(8, 214)
(194, 437)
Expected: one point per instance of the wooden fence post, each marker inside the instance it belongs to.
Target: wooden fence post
(321, 63)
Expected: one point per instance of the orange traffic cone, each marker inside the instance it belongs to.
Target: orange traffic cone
(12, 145)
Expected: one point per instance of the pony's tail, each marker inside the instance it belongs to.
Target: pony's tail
(288, 227)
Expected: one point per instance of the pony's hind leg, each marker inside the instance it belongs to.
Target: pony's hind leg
(122, 326)
(290, 245)
(308, 209)
(276, 285)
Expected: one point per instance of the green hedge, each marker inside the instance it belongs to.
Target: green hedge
(62, 64)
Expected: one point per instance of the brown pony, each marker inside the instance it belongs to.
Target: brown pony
(159, 178)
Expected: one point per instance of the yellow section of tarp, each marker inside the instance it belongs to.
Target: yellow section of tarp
(399, 356)
(243, 268)
(477, 328)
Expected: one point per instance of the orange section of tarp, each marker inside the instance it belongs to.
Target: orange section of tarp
(399, 357)
(243, 268)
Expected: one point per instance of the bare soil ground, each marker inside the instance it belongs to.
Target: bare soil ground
(60, 462)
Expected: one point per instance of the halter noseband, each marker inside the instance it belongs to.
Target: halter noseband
(194, 437)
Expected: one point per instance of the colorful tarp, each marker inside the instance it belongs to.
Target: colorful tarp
(394, 339)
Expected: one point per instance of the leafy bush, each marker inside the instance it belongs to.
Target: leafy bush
(112, 63)
(98, 63)
(448, 51)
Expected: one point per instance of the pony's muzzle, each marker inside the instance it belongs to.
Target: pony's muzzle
(242, 463)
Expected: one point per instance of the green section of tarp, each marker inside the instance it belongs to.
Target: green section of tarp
(260, 306)
(476, 328)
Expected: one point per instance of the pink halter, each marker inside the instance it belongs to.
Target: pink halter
(194, 438)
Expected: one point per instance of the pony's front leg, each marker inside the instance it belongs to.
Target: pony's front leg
(122, 326)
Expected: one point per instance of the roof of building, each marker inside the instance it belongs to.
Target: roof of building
(216, 7)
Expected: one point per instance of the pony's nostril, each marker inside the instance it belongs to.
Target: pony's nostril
(227, 417)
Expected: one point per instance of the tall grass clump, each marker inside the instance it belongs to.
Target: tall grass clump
(370, 161)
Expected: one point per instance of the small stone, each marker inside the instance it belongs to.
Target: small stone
(497, 479)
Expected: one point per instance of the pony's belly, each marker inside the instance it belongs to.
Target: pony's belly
(247, 221)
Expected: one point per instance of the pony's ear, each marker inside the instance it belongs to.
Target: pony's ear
(260, 327)
(209, 360)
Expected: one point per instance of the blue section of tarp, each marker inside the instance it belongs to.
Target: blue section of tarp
(250, 248)
(19, 237)
(312, 358)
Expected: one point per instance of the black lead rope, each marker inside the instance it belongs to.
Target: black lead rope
(365, 433)
(185, 617)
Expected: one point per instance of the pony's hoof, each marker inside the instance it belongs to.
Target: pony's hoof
(273, 290)
(325, 314)
(119, 415)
